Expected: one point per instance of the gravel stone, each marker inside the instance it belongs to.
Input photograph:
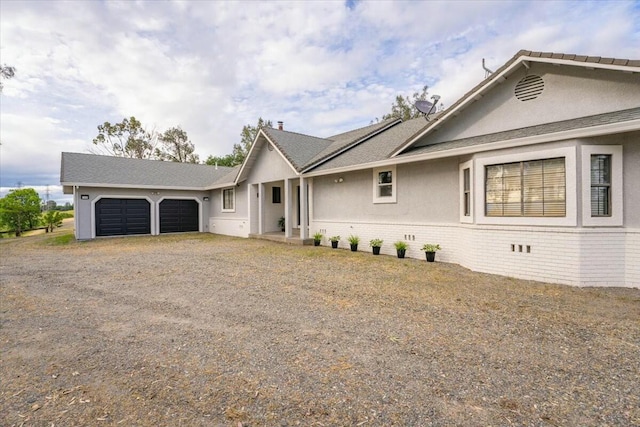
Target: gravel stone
(202, 330)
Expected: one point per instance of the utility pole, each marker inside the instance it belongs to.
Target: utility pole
(47, 193)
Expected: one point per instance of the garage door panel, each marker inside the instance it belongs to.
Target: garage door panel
(117, 217)
(177, 216)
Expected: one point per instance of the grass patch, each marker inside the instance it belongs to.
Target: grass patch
(60, 239)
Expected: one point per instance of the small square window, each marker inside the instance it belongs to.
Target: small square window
(276, 195)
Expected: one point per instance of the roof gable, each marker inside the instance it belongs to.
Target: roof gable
(520, 63)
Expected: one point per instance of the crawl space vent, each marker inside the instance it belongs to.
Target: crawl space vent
(529, 88)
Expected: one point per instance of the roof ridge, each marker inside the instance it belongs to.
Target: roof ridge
(391, 119)
(137, 159)
(294, 133)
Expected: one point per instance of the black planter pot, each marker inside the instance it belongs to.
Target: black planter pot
(431, 256)
(354, 248)
(316, 243)
(334, 245)
(401, 252)
(376, 250)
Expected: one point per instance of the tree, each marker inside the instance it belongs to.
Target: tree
(404, 107)
(247, 136)
(176, 147)
(126, 139)
(6, 72)
(52, 219)
(20, 210)
(240, 151)
(228, 160)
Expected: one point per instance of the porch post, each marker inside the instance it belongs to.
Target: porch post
(304, 213)
(288, 209)
(260, 208)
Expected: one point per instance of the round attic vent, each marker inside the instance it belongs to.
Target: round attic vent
(529, 88)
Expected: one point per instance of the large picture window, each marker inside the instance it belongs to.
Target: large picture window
(228, 199)
(535, 188)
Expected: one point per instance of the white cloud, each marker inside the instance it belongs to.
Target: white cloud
(213, 67)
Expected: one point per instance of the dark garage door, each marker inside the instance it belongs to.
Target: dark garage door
(177, 216)
(116, 217)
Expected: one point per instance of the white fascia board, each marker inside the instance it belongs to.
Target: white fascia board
(574, 63)
(493, 80)
(143, 187)
(499, 78)
(246, 159)
(608, 129)
(240, 178)
(223, 185)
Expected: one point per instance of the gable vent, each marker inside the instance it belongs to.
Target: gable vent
(529, 88)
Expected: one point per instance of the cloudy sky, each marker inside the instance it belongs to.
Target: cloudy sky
(322, 67)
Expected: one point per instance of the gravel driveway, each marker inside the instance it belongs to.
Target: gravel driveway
(205, 330)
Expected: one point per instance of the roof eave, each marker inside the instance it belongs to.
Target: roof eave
(141, 186)
(608, 129)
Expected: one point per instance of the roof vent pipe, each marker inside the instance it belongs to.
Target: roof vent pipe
(280, 125)
(487, 72)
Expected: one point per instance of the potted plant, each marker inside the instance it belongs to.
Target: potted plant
(317, 238)
(375, 244)
(281, 223)
(334, 241)
(430, 250)
(401, 248)
(353, 241)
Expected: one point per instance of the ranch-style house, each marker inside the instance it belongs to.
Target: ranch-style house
(534, 173)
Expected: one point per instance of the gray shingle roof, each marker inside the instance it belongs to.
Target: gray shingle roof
(302, 151)
(344, 140)
(296, 147)
(379, 147)
(547, 128)
(580, 58)
(92, 169)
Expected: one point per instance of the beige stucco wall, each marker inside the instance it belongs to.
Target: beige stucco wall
(269, 166)
(426, 192)
(569, 92)
(234, 223)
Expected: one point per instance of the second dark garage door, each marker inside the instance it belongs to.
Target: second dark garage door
(177, 216)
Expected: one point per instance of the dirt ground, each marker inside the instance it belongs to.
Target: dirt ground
(204, 330)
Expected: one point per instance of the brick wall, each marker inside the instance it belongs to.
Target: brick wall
(238, 227)
(582, 257)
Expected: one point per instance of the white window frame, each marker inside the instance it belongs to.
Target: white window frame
(463, 166)
(394, 185)
(617, 214)
(222, 208)
(571, 204)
